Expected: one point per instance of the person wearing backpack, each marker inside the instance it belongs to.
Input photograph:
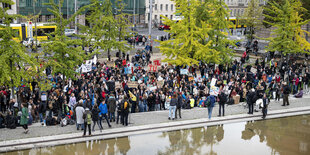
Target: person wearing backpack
(210, 101)
(222, 101)
(87, 116)
(125, 111)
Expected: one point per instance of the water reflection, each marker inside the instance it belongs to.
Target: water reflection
(289, 135)
(278, 136)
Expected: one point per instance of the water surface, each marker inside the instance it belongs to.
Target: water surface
(288, 136)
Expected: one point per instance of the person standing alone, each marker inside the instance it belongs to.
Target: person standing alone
(286, 92)
(222, 102)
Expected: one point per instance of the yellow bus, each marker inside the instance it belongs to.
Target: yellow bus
(236, 22)
(21, 31)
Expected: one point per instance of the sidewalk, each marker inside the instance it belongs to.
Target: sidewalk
(146, 118)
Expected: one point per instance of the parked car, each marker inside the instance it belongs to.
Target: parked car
(28, 42)
(164, 27)
(69, 32)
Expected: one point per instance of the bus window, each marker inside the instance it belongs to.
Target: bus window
(44, 31)
(15, 33)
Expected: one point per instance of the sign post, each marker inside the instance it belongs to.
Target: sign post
(29, 29)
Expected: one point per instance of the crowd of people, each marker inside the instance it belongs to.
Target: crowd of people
(110, 93)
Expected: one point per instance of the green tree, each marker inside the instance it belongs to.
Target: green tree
(218, 35)
(13, 57)
(65, 56)
(188, 45)
(252, 18)
(103, 28)
(288, 37)
(122, 25)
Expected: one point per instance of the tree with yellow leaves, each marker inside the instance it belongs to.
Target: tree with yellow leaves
(288, 37)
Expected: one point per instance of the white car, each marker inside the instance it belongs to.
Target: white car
(69, 32)
(30, 41)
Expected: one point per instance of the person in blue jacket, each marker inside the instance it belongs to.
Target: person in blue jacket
(210, 102)
(103, 112)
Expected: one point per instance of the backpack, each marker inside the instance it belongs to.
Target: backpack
(207, 102)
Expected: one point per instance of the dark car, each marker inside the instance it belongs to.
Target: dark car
(164, 27)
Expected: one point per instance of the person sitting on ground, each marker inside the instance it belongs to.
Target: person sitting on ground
(299, 94)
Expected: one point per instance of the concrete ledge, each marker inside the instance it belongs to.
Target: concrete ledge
(29, 143)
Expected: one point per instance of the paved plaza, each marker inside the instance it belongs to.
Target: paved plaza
(145, 118)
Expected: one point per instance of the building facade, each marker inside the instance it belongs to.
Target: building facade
(237, 7)
(30, 7)
(160, 8)
(12, 9)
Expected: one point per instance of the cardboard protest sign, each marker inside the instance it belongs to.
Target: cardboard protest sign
(117, 85)
(160, 83)
(157, 62)
(214, 90)
(152, 88)
(184, 71)
(152, 68)
(132, 84)
(213, 81)
(110, 64)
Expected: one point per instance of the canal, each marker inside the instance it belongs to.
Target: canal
(290, 135)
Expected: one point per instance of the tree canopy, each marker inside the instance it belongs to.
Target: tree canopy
(288, 37)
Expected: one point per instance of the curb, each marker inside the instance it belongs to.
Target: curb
(38, 142)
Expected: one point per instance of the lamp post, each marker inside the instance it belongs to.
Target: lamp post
(150, 20)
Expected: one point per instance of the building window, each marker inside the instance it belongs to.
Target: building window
(166, 7)
(161, 7)
(155, 17)
(241, 11)
(4, 5)
(28, 2)
(166, 16)
(171, 16)
(155, 6)
(171, 7)
(160, 18)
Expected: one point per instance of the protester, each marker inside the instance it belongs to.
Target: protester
(95, 116)
(172, 108)
(87, 116)
(210, 104)
(79, 115)
(265, 106)
(103, 113)
(125, 111)
(24, 118)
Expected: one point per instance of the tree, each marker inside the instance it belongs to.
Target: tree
(218, 35)
(288, 37)
(103, 28)
(122, 25)
(187, 45)
(65, 56)
(252, 18)
(13, 57)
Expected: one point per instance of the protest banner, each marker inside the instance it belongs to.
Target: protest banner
(214, 90)
(184, 71)
(190, 78)
(85, 68)
(132, 84)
